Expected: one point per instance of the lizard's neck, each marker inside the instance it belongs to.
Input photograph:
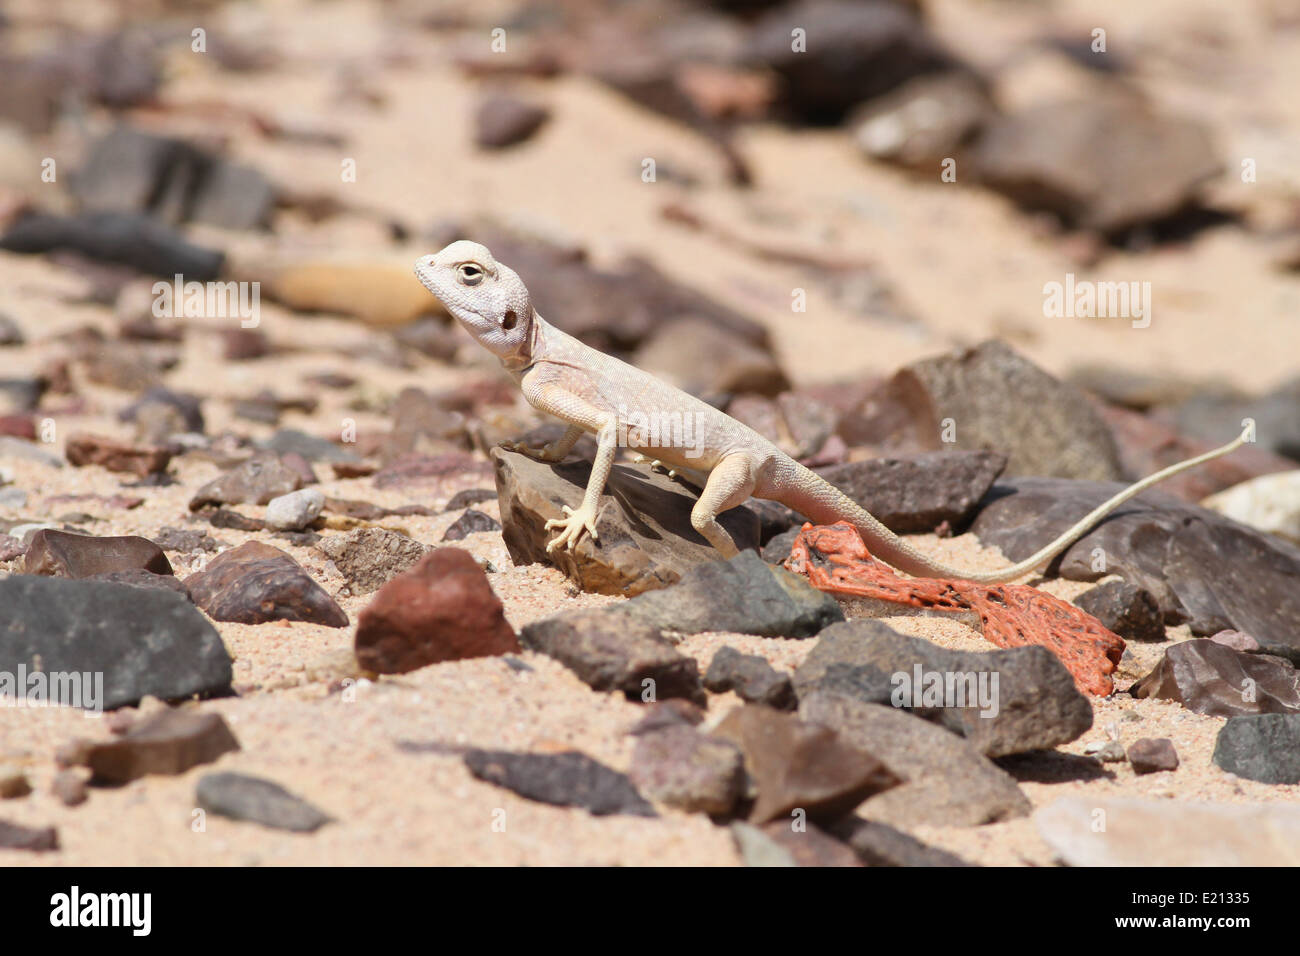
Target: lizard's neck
(526, 357)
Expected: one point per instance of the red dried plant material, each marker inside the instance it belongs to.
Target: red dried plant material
(834, 559)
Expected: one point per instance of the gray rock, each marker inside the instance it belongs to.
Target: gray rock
(471, 522)
(1264, 747)
(1036, 705)
(311, 447)
(609, 651)
(946, 781)
(568, 779)
(255, 800)
(917, 493)
(122, 238)
(1129, 611)
(502, 121)
(744, 595)
(145, 642)
(296, 510)
(878, 844)
(255, 482)
(779, 844)
(752, 678)
(685, 769)
(371, 557)
(14, 836)
(11, 447)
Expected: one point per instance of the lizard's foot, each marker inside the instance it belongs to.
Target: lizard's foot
(572, 526)
(546, 453)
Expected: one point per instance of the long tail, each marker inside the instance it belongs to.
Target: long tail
(823, 503)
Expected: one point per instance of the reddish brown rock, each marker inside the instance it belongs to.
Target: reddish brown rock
(67, 555)
(443, 609)
(255, 583)
(84, 449)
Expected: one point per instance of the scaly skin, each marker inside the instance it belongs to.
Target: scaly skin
(600, 395)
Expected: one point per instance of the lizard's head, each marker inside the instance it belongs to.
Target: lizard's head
(489, 299)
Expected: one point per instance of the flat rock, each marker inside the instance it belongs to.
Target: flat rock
(1264, 747)
(83, 449)
(690, 771)
(945, 780)
(128, 239)
(878, 844)
(1202, 568)
(801, 766)
(252, 799)
(145, 642)
(609, 651)
(753, 679)
(442, 609)
(991, 397)
(69, 555)
(169, 743)
(1164, 833)
(917, 493)
(1107, 164)
(371, 557)
(255, 482)
(1004, 701)
(643, 521)
(255, 583)
(569, 779)
(1208, 677)
(15, 836)
(1127, 610)
(744, 595)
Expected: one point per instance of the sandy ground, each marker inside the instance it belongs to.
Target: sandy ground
(961, 260)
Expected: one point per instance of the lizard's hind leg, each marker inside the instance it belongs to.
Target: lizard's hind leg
(729, 484)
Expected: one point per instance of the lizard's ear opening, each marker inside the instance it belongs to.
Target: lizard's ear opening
(509, 320)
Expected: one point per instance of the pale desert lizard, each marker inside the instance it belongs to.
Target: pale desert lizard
(595, 393)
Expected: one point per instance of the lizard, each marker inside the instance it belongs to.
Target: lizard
(594, 393)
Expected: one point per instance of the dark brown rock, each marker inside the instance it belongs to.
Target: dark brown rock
(1106, 163)
(643, 521)
(170, 742)
(800, 766)
(471, 522)
(69, 555)
(992, 398)
(609, 651)
(83, 449)
(1202, 568)
(685, 769)
(917, 493)
(752, 678)
(1131, 612)
(441, 609)
(255, 583)
(502, 120)
(1210, 678)
(1150, 755)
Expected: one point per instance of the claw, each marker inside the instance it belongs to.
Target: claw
(571, 527)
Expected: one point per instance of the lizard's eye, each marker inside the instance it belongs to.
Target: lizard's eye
(470, 274)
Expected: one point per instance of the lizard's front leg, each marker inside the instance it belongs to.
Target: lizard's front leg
(572, 525)
(552, 452)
